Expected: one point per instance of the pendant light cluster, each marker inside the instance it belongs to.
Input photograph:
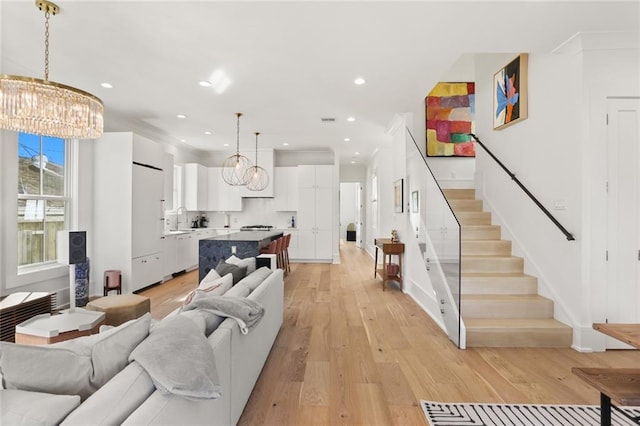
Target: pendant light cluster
(237, 170)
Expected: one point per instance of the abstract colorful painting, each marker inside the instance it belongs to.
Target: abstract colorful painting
(510, 93)
(450, 109)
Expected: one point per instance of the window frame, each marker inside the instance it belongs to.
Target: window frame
(65, 197)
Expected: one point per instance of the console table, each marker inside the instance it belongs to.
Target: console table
(389, 248)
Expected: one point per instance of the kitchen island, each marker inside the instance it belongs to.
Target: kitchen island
(246, 243)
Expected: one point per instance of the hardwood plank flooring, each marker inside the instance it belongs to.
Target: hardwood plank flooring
(350, 354)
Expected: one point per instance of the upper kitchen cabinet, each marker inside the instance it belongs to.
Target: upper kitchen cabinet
(222, 196)
(127, 209)
(285, 189)
(167, 174)
(196, 183)
(265, 160)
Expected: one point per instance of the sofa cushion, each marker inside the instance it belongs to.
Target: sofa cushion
(249, 262)
(179, 359)
(239, 290)
(212, 275)
(256, 278)
(116, 400)
(238, 272)
(21, 407)
(75, 367)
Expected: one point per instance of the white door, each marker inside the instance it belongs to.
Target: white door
(623, 213)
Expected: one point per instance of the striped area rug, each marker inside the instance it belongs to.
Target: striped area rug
(462, 414)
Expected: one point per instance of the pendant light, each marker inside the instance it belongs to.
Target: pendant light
(235, 166)
(256, 176)
(43, 107)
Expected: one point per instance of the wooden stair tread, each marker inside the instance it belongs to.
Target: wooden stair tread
(503, 297)
(496, 275)
(513, 323)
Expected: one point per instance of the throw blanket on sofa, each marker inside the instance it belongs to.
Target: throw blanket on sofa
(246, 312)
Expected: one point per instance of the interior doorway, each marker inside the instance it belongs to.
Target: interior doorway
(351, 213)
(623, 212)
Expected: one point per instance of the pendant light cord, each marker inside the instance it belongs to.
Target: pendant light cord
(46, 45)
(257, 133)
(238, 114)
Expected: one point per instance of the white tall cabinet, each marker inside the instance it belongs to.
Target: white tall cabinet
(128, 209)
(315, 213)
(222, 197)
(196, 187)
(285, 195)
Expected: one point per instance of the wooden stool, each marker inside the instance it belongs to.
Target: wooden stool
(121, 308)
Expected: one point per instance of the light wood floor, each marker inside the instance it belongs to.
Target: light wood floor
(350, 354)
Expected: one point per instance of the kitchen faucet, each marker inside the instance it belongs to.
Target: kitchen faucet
(184, 210)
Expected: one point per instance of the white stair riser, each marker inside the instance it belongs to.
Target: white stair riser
(542, 308)
(493, 285)
(486, 247)
(497, 265)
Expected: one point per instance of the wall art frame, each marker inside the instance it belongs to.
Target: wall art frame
(415, 198)
(398, 194)
(450, 117)
(510, 92)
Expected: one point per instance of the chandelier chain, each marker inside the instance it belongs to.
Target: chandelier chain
(47, 15)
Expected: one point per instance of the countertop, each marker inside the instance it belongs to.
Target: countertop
(246, 236)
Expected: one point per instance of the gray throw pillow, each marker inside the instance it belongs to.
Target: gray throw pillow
(76, 367)
(237, 272)
(256, 278)
(35, 408)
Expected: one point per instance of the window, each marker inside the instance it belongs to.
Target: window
(42, 197)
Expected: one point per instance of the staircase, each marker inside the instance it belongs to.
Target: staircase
(500, 304)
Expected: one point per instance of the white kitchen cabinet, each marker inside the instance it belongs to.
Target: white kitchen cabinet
(265, 160)
(285, 195)
(169, 255)
(196, 182)
(315, 213)
(222, 196)
(167, 174)
(184, 252)
(127, 212)
(146, 269)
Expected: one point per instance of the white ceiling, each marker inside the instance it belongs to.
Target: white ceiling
(289, 63)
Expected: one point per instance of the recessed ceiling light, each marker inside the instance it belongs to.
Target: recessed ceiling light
(207, 132)
(359, 81)
(181, 116)
(356, 153)
(205, 83)
(353, 162)
(285, 144)
(347, 139)
(183, 140)
(351, 119)
(226, 144)
(107, 85)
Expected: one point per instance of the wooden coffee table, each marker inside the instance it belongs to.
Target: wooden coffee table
(46, 328)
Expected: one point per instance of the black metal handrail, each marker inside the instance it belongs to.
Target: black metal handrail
(513, 177)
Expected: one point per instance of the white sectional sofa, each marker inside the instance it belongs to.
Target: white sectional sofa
(130, 397)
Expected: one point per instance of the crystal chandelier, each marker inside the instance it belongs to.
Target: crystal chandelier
(43, 107)
(257, 177)
(235, 166)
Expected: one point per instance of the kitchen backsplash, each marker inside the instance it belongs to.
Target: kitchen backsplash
(255, 211)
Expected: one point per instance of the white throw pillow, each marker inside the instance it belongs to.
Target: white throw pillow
(249, 262)
(76, 367)
(212, 275)
(208, 284)
(35, 408)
